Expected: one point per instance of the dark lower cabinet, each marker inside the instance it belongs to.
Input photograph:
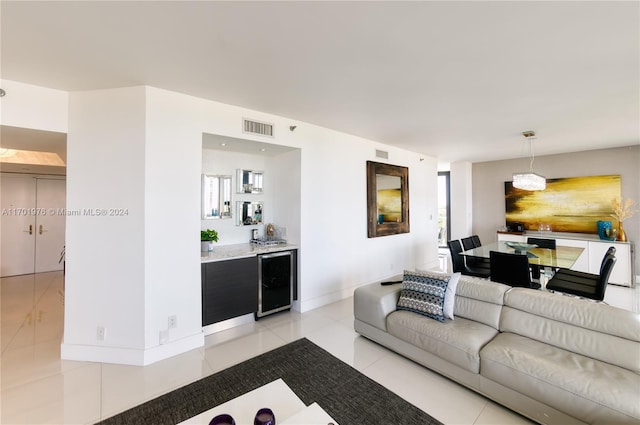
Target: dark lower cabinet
(229, 289)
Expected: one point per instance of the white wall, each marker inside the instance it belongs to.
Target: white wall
(461, 185)
(337, 254)
(29, 106)
(173, 159)
(489, 178)
(146, 267)
(105, 255)
(284, 175)
(129, 273)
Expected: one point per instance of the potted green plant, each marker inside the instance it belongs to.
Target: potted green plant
(207, 238)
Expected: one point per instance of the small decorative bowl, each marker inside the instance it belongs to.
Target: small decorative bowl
(520, 246)
(610, 234)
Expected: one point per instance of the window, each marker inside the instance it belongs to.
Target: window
(444, 212)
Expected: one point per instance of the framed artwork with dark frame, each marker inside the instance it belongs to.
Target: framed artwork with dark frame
(387, 199)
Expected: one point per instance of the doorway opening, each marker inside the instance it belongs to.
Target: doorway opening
(33, 200)
(33, 224)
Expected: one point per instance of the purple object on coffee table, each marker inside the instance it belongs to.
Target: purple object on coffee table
(264, 417)
(223, 419)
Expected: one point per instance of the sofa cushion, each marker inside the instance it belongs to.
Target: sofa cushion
(576, 311)
(424, 293)
(480, 300)
(585, 388)
(578, 325)
(457, 341)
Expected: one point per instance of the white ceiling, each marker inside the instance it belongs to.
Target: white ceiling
(454, 80)
(251, 147)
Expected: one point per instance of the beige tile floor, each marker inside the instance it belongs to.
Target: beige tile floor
(39, 388)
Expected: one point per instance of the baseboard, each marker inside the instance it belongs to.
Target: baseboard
(228, 324)
(306, 305)
(130, 356)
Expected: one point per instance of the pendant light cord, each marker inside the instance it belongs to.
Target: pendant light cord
(531, 154)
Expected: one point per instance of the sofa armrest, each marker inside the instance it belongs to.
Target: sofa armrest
(374, 302)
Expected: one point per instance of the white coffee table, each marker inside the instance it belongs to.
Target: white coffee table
(277, 396)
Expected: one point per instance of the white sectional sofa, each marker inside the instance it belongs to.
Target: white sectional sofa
(552, 358)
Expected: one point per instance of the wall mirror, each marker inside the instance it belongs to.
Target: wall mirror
(216, 196)
(387, 199)
(250, 181)
(248, 213)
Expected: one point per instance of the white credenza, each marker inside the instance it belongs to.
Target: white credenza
(591, 258)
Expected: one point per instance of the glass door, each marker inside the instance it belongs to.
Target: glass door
(275, 282)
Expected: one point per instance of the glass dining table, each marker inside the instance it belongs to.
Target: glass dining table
(563, 257)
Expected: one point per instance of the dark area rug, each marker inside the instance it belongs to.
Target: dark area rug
(312, 373)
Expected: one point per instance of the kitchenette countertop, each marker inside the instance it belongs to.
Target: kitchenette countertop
(243, 250)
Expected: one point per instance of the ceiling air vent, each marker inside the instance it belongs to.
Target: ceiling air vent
(257, 127)
(382, 154)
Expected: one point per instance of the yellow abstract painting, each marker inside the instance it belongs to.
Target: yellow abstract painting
(573, 204)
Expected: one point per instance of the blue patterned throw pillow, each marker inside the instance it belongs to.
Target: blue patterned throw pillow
(423, 293)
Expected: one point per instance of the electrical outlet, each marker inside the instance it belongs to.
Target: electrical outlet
(101, 333)
(173, 322)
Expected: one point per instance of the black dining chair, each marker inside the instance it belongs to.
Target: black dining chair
(585, 285)
(475, 262)
(459, 264)
(542, 243)
(457, 260)
(467, 243)
(610, 251)
(511, 269)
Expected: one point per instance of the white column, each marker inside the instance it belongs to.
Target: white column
(128, 263)
(461, 199)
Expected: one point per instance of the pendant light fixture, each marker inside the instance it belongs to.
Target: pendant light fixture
(530, 180)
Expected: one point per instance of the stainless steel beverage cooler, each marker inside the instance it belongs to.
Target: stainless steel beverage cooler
(275, 281)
